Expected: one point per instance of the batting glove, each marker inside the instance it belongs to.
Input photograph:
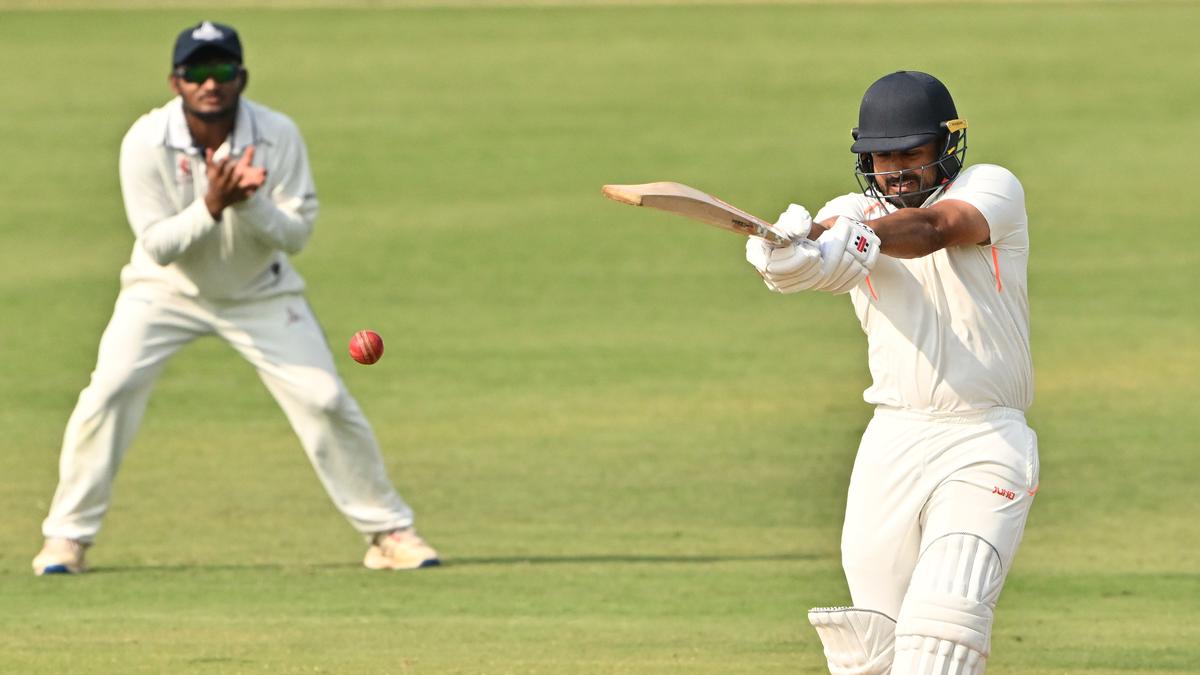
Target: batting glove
(848, 251)
(792, 268)
(795, 222)
(787, 269)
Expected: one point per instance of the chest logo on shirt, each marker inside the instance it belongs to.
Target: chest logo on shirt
(293, 316)
(185, 169)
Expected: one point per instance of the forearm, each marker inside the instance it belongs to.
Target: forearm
(168, 239)
(910, 233)
(162, 230)
(906, 233)
(285, 226)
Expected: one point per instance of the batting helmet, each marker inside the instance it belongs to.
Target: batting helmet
(902, 111)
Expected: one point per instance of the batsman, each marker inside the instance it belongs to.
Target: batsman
(933, 255)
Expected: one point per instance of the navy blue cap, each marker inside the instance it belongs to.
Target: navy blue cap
(207, 36)
(901, 111)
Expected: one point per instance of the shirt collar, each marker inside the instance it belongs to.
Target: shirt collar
(245, 132)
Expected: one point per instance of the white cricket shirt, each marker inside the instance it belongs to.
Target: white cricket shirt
(949, 332)
(179, 244)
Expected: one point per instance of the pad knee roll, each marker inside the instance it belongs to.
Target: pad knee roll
(946, 620)
(856, 641)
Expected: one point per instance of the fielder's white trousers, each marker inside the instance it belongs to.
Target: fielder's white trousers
(280, 336)
(918, 478)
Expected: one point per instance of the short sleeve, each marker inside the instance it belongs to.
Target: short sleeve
(998, 195)
(849, 206)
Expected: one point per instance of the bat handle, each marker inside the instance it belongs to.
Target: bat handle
(775, 239)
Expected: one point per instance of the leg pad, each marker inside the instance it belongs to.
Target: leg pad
(946, 620)
(856, 641)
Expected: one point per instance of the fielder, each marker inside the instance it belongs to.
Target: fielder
(933, 256)
(218, 192)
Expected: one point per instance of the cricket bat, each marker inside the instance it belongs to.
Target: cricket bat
(691, 203)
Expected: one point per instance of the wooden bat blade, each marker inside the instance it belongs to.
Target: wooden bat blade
(691, 203)
(626, 194)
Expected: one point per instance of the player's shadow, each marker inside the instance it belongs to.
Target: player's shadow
(497, 561)
(188, 568)
(630, 559)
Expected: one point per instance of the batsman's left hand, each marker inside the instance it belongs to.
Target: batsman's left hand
(849, 250)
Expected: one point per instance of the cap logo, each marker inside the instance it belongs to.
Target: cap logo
(207, 32)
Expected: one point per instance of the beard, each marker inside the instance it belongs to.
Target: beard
(914, 190)
(908, 200)
(226, 113)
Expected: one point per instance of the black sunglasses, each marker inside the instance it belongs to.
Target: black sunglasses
(221, 72)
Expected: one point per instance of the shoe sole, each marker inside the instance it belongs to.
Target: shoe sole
(55, 569)
(433, 562)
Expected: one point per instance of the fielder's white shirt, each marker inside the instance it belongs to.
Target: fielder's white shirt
(949, 332)
(244, 254)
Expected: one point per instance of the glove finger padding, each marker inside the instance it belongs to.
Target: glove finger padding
(785, 269)
(801, 259)
(849, 275)
(770, 286)
(795, 268)
(758, 254)
(794, 285)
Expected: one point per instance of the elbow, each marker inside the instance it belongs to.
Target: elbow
(160, 255)
(296, 243)
(292, 248)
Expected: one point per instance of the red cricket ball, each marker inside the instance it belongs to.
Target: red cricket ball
(366, 347)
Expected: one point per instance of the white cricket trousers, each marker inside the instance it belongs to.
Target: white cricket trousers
(918, 478)
(280, 336)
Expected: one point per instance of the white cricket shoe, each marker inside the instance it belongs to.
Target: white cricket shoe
(60, 556)
(400, 550)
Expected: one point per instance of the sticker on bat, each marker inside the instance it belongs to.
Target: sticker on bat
(743, 226)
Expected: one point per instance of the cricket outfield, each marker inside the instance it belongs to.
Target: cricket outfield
(632, 456)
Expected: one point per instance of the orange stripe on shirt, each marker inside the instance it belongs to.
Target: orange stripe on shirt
(996, 266)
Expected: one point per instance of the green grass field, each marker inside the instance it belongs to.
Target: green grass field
(632, 456)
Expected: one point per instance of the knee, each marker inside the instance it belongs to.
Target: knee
(325, 394)
(877, 576)
(946, 619)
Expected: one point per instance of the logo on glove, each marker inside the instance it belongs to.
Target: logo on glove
(861, 244)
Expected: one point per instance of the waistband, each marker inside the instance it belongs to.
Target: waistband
(954, 417)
